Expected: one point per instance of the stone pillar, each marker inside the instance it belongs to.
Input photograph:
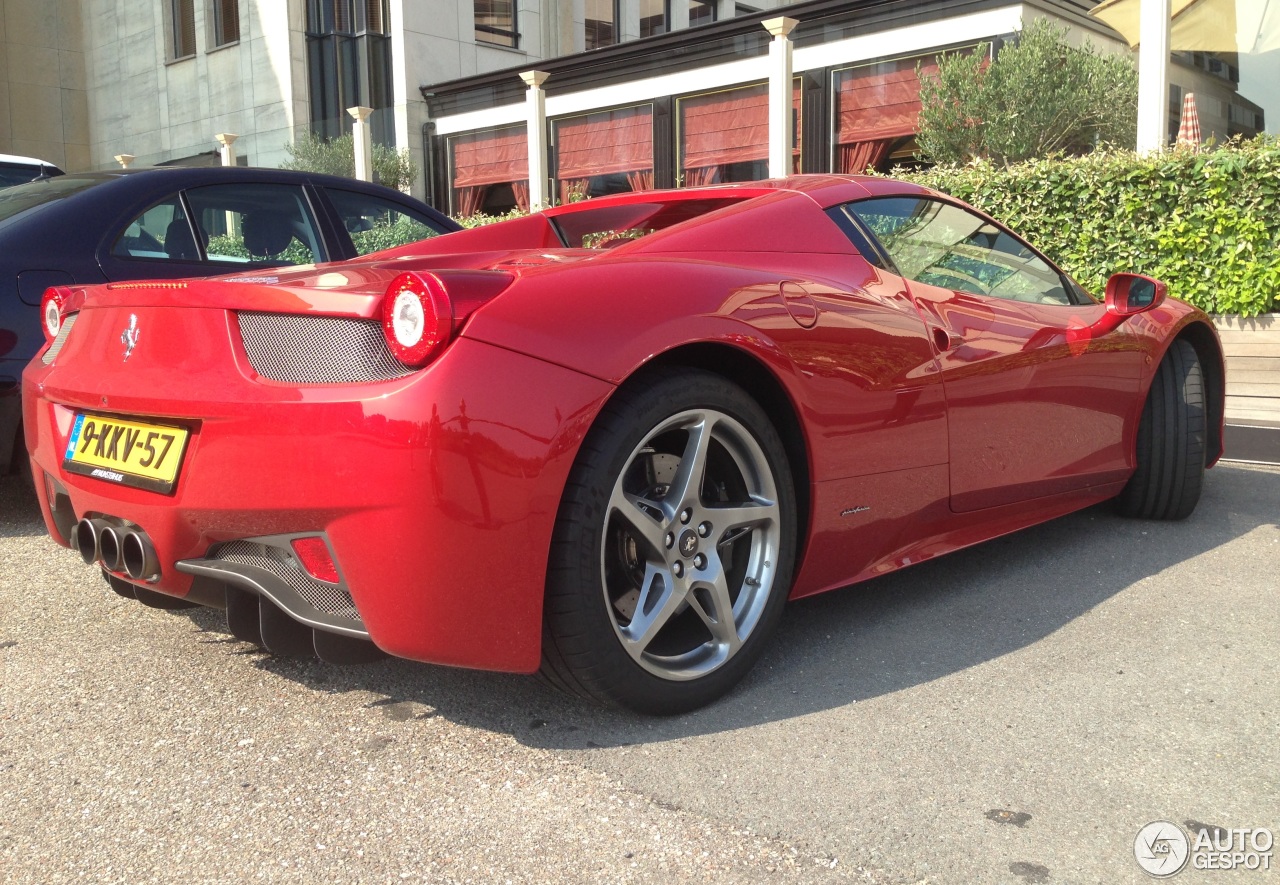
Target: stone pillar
(1153, 76)
(536, 102)
(781, 130)
(363, 137)
(227, 151)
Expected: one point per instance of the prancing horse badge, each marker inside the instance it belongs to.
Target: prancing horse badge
(129, 338)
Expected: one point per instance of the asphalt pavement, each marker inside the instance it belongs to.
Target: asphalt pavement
(1011, 713)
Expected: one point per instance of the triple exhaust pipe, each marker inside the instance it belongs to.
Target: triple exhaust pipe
(117, 549)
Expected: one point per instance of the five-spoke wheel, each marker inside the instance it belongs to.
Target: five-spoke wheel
(674, 546)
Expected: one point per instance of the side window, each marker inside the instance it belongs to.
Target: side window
(162, 232)
(375, 223)
(947, 246)
(260, 224)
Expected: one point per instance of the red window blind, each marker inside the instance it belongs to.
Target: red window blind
(880, 100)
(728, 127)
(490, 157)
(605, 142)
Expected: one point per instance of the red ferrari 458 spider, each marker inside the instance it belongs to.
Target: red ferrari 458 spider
(610, 440)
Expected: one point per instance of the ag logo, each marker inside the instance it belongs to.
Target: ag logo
(1161, 849)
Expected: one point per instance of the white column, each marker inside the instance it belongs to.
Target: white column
(781, 136)
(678, 10)
(628, 23)
(536, 103)
(1153, 76)
(363, 137)
(227, 151)
(409, 111)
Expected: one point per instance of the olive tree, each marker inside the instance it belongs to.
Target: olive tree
(1039, 96)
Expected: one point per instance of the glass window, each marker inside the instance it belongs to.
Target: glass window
(496, 22)
(490, 171)
(371, 17)
(226, 21)
(347, 16)
(255, 223)
(606, 152)
(877, 112)
(375, 223)
(701, 12)
(724, 136)
(162, 232)
(182, 22)
(944, 245)
(601, 23)
(349, 64)
(21, 173)
(23, 200)
(653, 17)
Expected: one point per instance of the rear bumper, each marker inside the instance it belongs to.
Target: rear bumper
(437, 492)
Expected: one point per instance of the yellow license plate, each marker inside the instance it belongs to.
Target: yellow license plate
(130, 453)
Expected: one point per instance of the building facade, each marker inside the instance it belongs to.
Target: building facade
(640, 93)
(44, 102)
(692, 108)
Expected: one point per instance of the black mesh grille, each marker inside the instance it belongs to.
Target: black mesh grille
(326, 598)
(318, 349)
(52, 353)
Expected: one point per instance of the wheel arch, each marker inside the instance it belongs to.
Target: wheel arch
(756, 379)
(1209, 350)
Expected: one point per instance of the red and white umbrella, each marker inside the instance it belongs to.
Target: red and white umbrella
(1189, 126)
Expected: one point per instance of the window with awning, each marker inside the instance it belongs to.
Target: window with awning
(724, 136)
(486, 160)
(604, 152)
(877, 106)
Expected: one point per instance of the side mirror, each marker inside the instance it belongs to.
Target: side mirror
(1131, 293)
(1127, 294)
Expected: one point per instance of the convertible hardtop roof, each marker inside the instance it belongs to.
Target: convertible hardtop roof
(825, 189)
(672, 221)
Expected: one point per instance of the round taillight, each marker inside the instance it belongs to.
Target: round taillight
(417, 318)
(52, 303)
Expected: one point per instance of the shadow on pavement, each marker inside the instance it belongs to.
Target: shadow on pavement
(873, 639)
(19, 509)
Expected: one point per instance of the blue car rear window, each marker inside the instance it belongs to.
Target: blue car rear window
(18, 199)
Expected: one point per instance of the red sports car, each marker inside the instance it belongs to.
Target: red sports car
(607, 441)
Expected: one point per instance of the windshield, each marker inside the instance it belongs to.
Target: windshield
(19, 200)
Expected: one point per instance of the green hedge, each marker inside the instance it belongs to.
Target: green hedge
(382, 235)
(1208, 224)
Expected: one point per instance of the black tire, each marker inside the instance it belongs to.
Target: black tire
(1171, 441)
(664, 584)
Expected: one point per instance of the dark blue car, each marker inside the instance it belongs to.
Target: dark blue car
(171, 222)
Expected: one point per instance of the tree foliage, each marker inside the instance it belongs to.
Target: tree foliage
(337, 156)
(1040, 96)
